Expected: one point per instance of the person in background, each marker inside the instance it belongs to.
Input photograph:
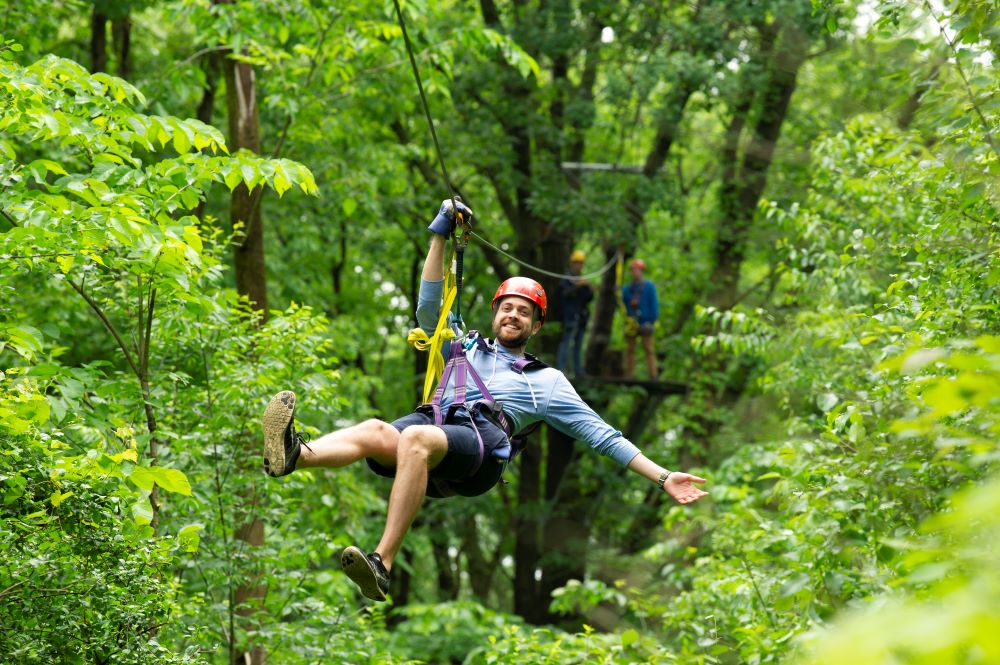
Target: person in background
(575, 294)
(642, 308)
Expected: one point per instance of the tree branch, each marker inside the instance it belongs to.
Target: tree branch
(110, 327)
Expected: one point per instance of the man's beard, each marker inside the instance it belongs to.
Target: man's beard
(514, 343)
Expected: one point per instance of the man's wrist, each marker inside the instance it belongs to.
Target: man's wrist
(664, 476)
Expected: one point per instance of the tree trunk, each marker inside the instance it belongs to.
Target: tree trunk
(745, 178)
(637, 203)
(527, 534)
(121, 34)
(481, 567)
(98, 41)
(248, 254)
(245, 209)
(567, 532)
(603, 320)
(447, 578)
(249, 597)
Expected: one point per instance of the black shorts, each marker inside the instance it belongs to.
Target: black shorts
(457, 474)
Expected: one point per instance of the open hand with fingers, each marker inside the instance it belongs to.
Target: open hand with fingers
(681, 487)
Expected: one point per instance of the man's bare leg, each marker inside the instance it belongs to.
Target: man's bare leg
(421, 448)
(629, 357)
(647, 345)
(371, 438)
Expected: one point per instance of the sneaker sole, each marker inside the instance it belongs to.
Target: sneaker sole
(355, 564)
(277, 415)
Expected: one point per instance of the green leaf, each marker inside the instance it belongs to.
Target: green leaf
(629, 637)
(182, 143)
(171, 480)
(189, 538)
(249, 173)
(142, 512)
(232, 177)
(989, 343)
(793, 585)
(58, 497)
(26, 341)
(280, 181)
(65, 263)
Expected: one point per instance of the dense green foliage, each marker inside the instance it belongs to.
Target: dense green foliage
(822, 221)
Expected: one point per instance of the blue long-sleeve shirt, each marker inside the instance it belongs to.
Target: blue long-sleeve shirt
(541, 394)
(641, 301)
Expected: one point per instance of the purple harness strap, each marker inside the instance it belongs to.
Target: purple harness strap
(459, 363)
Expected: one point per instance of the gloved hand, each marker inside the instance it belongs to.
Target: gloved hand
(444, 222)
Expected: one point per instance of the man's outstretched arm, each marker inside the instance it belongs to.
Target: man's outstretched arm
(677, 484)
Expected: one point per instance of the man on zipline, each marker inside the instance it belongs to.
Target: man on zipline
(467, 452)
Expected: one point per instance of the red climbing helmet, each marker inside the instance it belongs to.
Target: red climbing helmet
(526, 288)
(638, 263)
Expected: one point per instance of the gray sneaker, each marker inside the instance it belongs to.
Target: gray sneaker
(367, 571)
(282, 444)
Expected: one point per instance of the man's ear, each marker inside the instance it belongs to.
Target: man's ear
(535, 327)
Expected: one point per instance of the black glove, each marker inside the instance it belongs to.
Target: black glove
(444, 222)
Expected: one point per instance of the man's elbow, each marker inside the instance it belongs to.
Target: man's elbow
(426, 316)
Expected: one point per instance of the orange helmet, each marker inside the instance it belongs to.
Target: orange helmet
(638, 263)
(526, 288)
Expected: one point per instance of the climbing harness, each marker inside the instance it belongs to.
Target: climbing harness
(491, 409)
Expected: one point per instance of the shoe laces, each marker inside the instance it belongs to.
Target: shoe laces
(301, 439)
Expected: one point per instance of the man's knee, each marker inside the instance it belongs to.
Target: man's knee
(379, 440)
(423, 442)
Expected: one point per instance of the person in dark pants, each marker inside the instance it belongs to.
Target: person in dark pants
(575, 294)
(466, 454)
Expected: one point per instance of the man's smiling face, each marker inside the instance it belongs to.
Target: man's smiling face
(513, 321)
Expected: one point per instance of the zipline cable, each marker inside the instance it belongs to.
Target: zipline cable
(460, 246)
(423, 101)
(461, 239)
(559, 275)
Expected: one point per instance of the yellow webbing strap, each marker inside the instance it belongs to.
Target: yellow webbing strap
(418, 338)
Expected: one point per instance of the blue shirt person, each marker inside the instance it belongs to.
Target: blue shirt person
(642, 307)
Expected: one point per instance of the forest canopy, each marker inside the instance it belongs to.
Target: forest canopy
(205, 202)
